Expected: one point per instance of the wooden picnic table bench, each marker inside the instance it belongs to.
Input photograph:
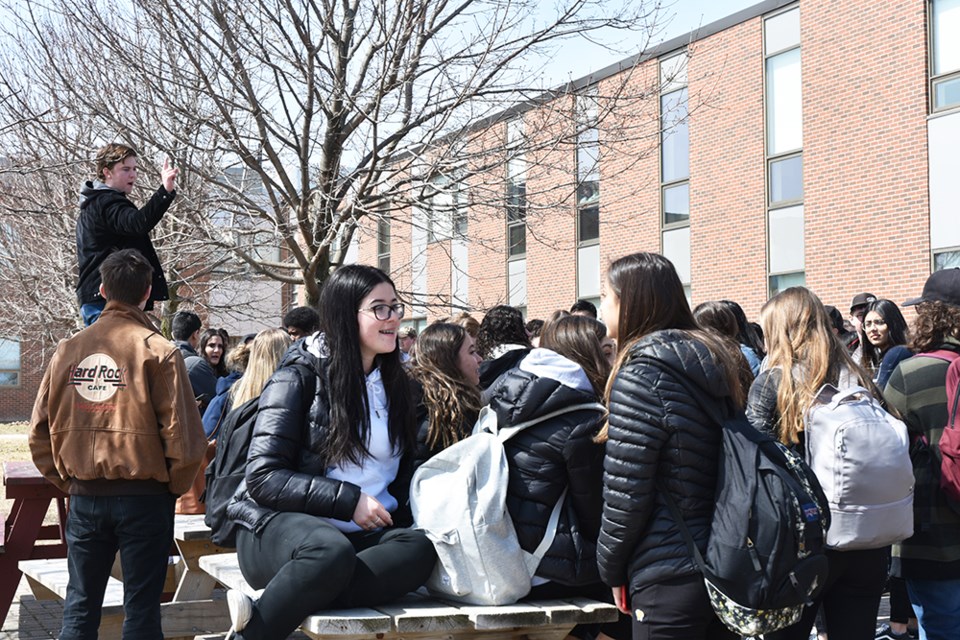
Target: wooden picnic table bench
(192, 610)
(420, 616)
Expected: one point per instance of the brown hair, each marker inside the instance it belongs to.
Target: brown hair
(125, 276)
(452, 402)
(468, 322)
(578, 339)
(934, 323)
(798, 331)
(652, 299)
(111, 154)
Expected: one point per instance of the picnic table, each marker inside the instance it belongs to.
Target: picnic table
(31, 494)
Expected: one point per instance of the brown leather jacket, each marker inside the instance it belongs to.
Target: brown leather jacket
(116, 404)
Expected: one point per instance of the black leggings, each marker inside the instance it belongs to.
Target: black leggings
(305, 564)
(850, 598)
(676, 609)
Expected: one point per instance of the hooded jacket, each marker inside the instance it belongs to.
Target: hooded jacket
(286, 470)
(659, 433)
(115, 405)
(109, 222)
(549, 457)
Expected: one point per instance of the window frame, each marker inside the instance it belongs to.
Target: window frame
(383, 240)
(937, 79)
(18, 372)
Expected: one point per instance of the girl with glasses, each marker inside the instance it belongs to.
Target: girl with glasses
(324, 509)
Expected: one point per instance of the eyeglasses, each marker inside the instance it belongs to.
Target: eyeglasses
(384, 311)
(869, 324)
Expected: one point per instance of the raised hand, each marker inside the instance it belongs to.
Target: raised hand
(169, 175)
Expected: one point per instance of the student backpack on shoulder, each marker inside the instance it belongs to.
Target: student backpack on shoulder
(765, 557)
(861, 456)
(226, 471)
(458, 498)
(948, 470)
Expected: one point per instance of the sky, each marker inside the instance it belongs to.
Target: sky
(680, 17)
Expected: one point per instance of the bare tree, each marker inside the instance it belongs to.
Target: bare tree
(293, 120)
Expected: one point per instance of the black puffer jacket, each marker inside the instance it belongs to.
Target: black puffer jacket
(548, 457)
(285, 471)
(109, 222)
(659, 433)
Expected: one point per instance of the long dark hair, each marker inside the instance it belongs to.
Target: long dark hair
(577, 338)
(349, 405)
(746, 334)
(651, 299)
(452, 402)
(889, 312)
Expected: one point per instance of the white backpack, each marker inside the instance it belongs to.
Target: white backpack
(458, 498)
(861, 456)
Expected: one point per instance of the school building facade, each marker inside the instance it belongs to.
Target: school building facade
(810, 143)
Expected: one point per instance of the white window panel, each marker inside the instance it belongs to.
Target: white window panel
(785, 245)
(459, 267)
(782, 31)
(673, 72)
(588, 271)
(944, 140)
(784, 103)
(946, 36)
(676, 249)
(517, 283)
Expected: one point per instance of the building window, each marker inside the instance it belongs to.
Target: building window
(442, 196)
(588, 195)
(946, 259)
(675, 166)
(383, 244)
(945, 53)
(9, 363)
(516, 191)
(588, 170)
(784, 150)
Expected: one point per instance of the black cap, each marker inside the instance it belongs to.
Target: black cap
(862, 300)
(941, 286)
(249, 337)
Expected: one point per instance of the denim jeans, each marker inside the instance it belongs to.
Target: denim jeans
(141, 527)
(937, 604)
(90, 311)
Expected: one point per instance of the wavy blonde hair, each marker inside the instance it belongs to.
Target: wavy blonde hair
(799, 339)
(451, 401)
(265, 353)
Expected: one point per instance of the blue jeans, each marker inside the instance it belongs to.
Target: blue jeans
(141, 527)
(90, 311)
(937, 605)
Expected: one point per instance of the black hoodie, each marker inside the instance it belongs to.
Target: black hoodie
(109, 222)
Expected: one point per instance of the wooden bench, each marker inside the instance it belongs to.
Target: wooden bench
(192, 610)
(48, 581)
(419, 616)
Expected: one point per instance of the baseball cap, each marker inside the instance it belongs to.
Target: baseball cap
(862, 299)
(941, 286)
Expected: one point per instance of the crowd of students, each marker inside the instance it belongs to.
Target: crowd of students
(349, 416)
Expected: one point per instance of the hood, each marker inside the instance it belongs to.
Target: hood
(308, 351)
(543, 382)
(687, 358)
(91, 190)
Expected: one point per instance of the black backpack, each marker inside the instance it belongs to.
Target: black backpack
(765, 558)
(226, 472)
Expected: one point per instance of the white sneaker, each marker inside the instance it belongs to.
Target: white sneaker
(241, 610)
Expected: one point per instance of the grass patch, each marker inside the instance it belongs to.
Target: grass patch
(14, 428)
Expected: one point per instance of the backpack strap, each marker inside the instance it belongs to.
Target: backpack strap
(508, 432)
(533, 560)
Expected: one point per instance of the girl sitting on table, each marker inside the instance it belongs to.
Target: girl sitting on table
(323, 512)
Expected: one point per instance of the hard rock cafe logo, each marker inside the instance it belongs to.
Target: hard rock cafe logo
(97, 378)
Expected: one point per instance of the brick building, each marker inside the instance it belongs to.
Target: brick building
(808, 142)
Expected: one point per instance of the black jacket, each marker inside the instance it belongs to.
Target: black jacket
(108, 222)
(544, 460)
(285, 469)
(659, 434)
(202, 377)
(490, 370)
